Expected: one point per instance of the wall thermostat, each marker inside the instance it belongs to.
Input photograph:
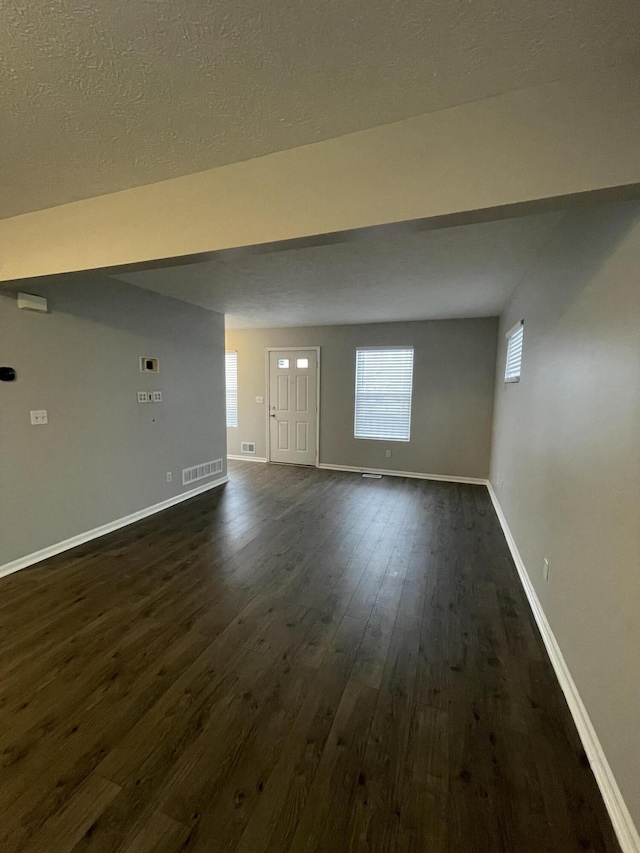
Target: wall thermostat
(148, 364)
(7, 374)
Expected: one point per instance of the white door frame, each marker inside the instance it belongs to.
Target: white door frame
(267, 408)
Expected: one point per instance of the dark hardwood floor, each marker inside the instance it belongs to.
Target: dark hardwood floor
(299, 661)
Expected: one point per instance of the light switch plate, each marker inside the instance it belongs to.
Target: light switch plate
(39, 416)
(259, 399)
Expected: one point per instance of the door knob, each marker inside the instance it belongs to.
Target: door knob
(273, 416)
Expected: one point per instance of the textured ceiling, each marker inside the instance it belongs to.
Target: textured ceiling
(466, 271)
(101, 95)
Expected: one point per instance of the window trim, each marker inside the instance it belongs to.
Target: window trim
(511, 377)
(410, 349)
(226, 389)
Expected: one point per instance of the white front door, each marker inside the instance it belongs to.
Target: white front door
(293, 391)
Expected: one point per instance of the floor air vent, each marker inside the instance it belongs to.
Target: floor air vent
(201, 472)
(248, 447)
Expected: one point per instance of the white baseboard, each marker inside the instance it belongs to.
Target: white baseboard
(81, 538)
(618, 812)
(474, 481)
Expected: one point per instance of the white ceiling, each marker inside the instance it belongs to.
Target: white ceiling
(465, 271)
(102, 95)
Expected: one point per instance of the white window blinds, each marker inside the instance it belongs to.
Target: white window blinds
(515, 339)
(384, 380)
(231, 369)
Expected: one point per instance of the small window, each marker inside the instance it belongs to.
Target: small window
(231, 377)
(283, 363)
(384, 382)
(302, 362)
(515, 339)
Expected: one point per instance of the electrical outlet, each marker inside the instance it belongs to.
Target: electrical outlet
(388, 454)
(157, 397)
(545, 570)
(39, 416)
(169, 476)
(143, 397)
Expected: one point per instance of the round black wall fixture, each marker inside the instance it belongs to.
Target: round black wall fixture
(7, 374)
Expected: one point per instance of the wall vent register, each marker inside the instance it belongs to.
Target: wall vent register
(248, 447)
(384, 384)
(515, 340)
(201, 472)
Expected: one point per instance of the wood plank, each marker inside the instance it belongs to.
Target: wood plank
(275, 817)
(323, 822)
(160, 834)
(301, 661)
(373, 823)
(64, 829)
(422, 822)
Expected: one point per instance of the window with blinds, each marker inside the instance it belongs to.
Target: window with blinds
(515, 339)
(231, 376)
(384, 382)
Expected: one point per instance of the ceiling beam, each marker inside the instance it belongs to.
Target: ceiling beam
(564, 139)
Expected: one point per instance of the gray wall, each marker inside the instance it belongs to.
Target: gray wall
(454, 365)
(566, 462)
(102, 456)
